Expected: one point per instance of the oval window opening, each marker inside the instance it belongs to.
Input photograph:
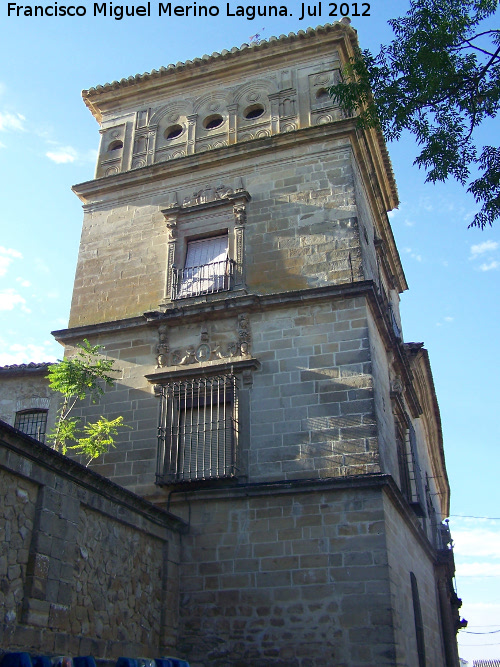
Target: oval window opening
(212, 122)
(115, 145)
(322, 94)
(254, 111)
(174, 132)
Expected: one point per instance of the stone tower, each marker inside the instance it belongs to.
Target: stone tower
(238, 263)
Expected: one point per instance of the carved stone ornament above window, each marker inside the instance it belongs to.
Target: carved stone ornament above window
(211, 347)
(207, 195)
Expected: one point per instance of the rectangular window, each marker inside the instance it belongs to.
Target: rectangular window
(32, 422)
(207, 269)
(410, 475)
(198, 429)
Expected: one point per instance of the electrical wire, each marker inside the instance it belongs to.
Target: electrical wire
(469, 516)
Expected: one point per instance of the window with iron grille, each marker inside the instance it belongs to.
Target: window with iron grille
(207, 269)
(198, 429)
(410, 475)
(32, 422)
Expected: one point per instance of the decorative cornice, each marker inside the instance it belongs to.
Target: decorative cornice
(236, 366)
(91, 192)
(377, 481)
(216, 307)
(251, 50)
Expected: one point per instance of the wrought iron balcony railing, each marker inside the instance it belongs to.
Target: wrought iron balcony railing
(204, 279)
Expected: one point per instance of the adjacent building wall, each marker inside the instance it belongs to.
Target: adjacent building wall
(86, 567)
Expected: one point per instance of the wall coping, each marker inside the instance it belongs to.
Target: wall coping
(28, 448)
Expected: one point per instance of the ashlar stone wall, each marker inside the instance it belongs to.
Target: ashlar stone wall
(286, 577)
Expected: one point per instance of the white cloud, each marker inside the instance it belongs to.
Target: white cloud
(63, 155)
(490, 266)
(41, 266)
(11, 121)
(478, 569)
(9, 299)
(2, 145)
(481, 248)
(449, 319)
(7, 255)
(24, 354)
(23, 282)
(477, 542)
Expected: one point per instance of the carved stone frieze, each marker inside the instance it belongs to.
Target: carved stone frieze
(162, 349)
(213, 344)
(207, 194)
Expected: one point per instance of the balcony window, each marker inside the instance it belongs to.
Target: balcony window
(207, 269)
(198, 429)
(32, 423)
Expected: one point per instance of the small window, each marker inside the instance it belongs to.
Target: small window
(253, 112)
(115, 145)
(207, 268)
(198, 429)
(211, 122)
(174, 131)
(32, 423)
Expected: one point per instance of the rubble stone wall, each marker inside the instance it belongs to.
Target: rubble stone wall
(86, 567)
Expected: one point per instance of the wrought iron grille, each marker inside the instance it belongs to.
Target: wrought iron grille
(33, 423)
(394, 322)
(416, 491)
(198, 429)
(203, 279)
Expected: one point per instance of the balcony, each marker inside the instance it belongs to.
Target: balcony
(203, 279)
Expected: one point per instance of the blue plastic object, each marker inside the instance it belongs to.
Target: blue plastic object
(83, 661)
(16, 660)
(41, 661)
(176, 662)
(126, 662)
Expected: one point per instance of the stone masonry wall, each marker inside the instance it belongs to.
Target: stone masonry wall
(300, 230)
(27, 391)
(86, 567)
(311, 412)
(295, 579)
(406, 554)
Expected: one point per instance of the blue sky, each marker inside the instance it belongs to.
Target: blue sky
(48, 141)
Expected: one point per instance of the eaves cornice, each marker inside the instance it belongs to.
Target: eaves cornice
(99, 98)
(90, 192)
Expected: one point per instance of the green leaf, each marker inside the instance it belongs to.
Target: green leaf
(99, 438)
(440, 80)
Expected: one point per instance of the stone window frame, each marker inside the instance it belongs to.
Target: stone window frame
(242, 371)
(207, 213)
(411, 482)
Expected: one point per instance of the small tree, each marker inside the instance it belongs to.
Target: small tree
(76, 378)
